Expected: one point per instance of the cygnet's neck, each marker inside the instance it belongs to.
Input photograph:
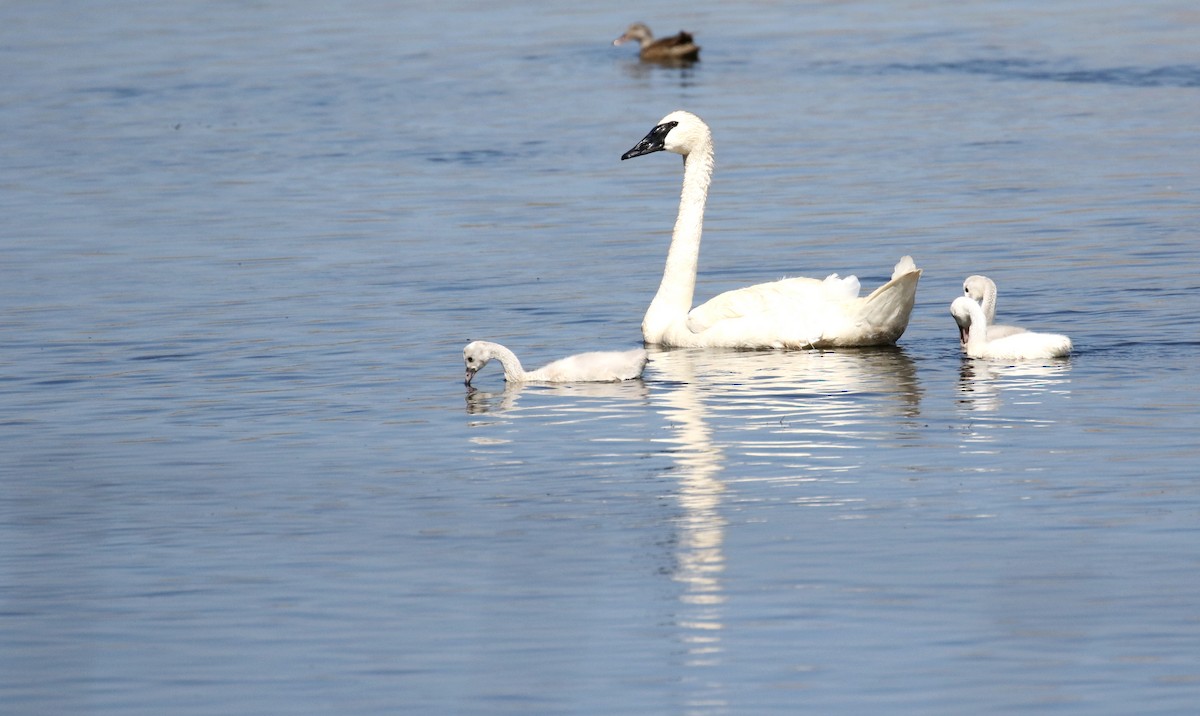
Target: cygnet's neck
(675, 293)
(989, 300)
(513, 372)
(977, 336)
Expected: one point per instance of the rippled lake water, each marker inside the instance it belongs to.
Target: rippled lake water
(244, 244)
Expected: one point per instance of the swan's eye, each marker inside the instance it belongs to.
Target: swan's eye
(966, 290)
(471, 359)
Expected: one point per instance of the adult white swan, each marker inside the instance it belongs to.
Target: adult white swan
(598, 366)
(792, 313)
(983, 290)
(972, 331)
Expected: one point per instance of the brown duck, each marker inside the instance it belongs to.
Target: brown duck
(679, 48)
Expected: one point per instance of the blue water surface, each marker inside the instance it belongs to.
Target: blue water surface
(244, 244)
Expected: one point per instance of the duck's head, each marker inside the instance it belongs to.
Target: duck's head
(637, 31)
(679, 132)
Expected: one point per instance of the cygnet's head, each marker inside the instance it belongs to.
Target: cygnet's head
(679, 132)
(964, 310)
(977, 287)
(475, 356)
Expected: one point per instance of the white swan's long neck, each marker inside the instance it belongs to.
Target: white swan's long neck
(989, 301)
(513, 372)
(674, 298)
(977, 337)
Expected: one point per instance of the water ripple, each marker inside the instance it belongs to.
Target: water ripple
(1046, 71)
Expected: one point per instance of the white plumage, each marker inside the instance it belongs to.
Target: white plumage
(972, 331)
(791, 313)
(983, 290)
(597, 366)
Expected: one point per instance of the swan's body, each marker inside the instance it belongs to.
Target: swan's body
(983, 290)
(677, 48)
(791, 313)
(972, 331)
(599, 366)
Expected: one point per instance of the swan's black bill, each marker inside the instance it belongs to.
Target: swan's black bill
(470, 374)
(652, 142)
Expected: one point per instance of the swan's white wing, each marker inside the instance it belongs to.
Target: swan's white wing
(790, 302)
(598, 366)
(1002, 331)
(803, 312)
(1025, 346)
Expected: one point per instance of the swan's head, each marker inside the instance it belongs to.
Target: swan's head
(679, 132)
(977, 287)
(637, 31)
(966, 312)
(475, 356)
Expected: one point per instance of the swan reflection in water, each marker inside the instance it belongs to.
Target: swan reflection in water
(985, 386)
(480, 402)
(789, 415)
(698, 460)
(794, 418)
(981, 382)
(738, 416)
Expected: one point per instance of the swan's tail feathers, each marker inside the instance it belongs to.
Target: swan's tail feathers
(636, 364)
(845, 288)
(903, 266)
(886, 311)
